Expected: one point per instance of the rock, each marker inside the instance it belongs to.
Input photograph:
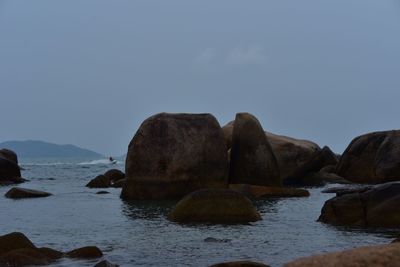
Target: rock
(228, 130)
(214, 206)
(23, 257)
(14, 180)
(291, 153)
(320, 179)
(9, 155)
(347, 189)
(377, 256)
(376, 207)
(105, 263)
(397, 240)
(216, 240)
(329, 169)
(101, 181)
(8, 170)
(172, 155)
(17, 192)
(15, 240)
(239, 264)
(314, 164)
(51, 253)
(252, 159)
(102, 192)
(85, 253)
(372, 158)
(119, 183)
(114, 175)
(255, 191)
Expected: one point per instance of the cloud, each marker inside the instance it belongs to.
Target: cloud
(246, 55)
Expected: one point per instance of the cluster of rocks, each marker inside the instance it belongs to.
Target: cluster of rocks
(111, 178)
(17, 250)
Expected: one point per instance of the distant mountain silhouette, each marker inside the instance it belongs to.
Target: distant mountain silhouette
(33, 148)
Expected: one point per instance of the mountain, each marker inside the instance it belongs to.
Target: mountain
(33, 148)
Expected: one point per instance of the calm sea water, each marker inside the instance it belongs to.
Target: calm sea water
(138, 233)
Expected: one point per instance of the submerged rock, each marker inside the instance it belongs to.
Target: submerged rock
(17, 192)
(105, 263)
(255, 191)
(85, 253)
(252, 160)
(214, 206)
(372, 158)
(376, 207)
(172, 155)
(240, 264)
(377, 256)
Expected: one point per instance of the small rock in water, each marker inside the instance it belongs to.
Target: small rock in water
(102, 192)
(105, 263)
(17, 192)
(240, 264)
(85, 253)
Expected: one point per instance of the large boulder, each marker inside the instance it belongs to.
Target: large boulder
(17, 192)
(372, 158)
(252, 160)
(172, 155)
(214, 206)
(377, 256)
(15, 240)
(376, 207)
(9, 154)
(256, 191)
(320, 159)
(9, 170)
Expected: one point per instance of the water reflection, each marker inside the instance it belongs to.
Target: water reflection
(146, 210)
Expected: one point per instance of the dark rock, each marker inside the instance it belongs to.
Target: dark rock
(315, 164)
(102, 192)
(172, 155)
(23, 257)
(105, 263)
(377, 256)
(255, 191)
(216, 240)
(51, 253)
(85, 253)
(397, 240)
(119, 183)
(239, 264)
(114, 175)
(372, 158)
(9, 155)
(214, 206)
(17, 192)
(8, 170)
(14, 241)
(101, 181)
(377, 207)
(252, 159)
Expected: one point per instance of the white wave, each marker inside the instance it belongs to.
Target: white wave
(46, 164)
(100, 161)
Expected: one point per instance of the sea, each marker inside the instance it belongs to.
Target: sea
(137, 233)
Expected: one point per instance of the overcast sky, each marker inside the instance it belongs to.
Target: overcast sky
(88, 72)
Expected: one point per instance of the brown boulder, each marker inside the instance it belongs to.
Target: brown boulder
(85, 253)
(101, 181)
(376, 207)
(17, 192)
(9, 155)
(14, 241)
(377, 256)
(23, 257)
(114, 175)
(239, 264)
(319, 160)
(172, 155)
(214, 206)
(255, 191)
(252, 160)
(372, 158)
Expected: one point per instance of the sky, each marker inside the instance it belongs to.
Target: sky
(89, 72)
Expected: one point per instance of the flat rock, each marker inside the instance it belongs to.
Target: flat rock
(214, 206)
(17, 192)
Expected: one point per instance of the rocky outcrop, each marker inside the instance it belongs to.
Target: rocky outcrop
(252, 160)
(17, 250)
(240, 264)
(377, 256)
(17, 192)
(9, 170)
(172, 155)
(214, 206)
(376, 207)
(372, 158)
(255, 191)
(319, 160)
